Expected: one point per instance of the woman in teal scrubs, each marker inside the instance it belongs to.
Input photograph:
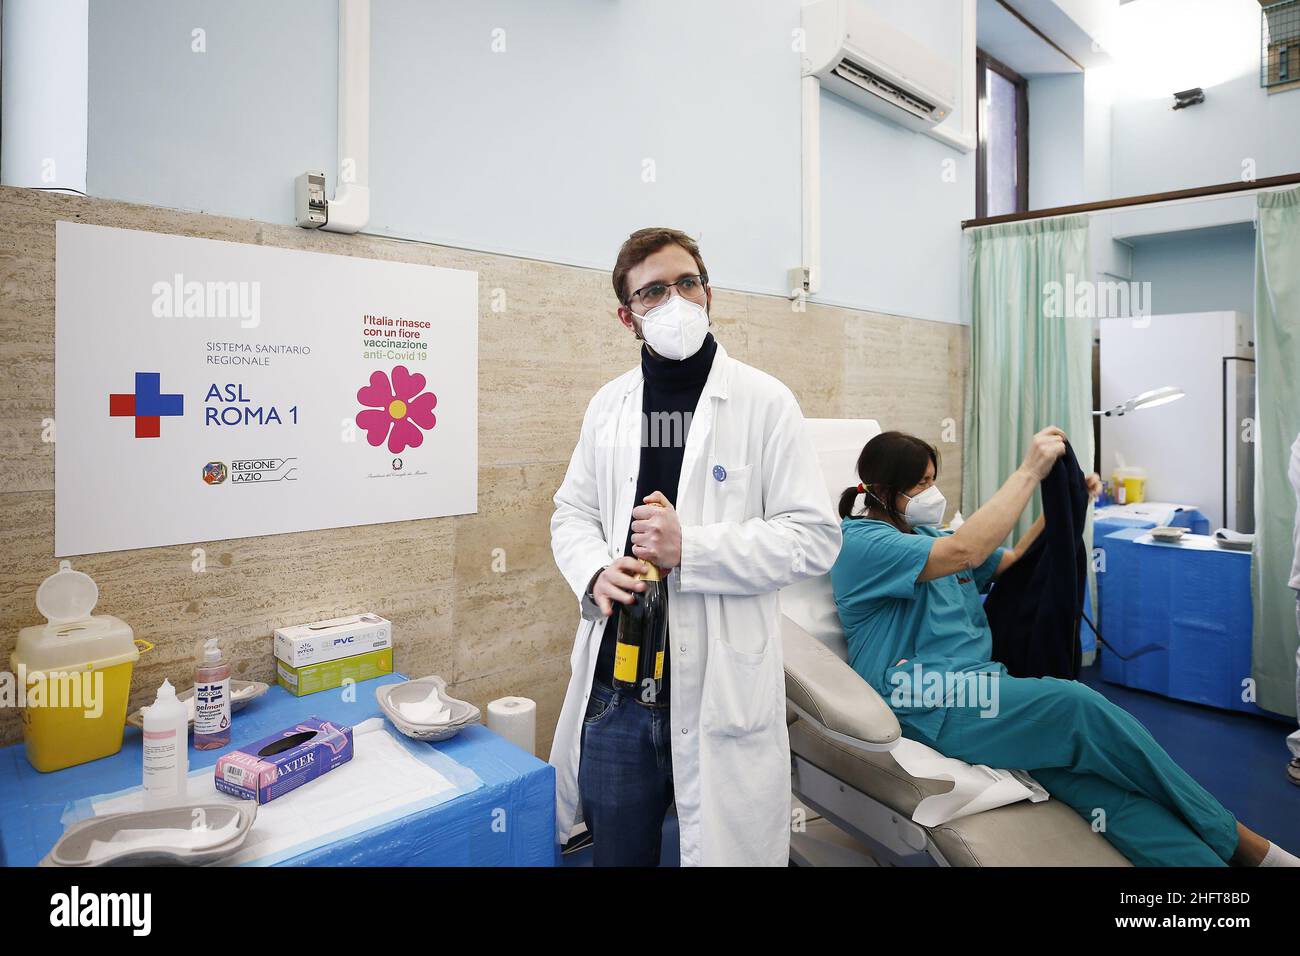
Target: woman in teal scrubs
(908, 596)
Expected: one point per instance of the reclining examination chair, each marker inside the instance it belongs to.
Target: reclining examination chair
(841, 732)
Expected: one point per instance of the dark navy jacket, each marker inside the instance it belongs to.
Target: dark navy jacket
(1035, 606)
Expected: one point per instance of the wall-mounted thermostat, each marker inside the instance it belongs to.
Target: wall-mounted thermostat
(310, 206)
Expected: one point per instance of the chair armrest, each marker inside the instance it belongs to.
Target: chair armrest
(825, 690)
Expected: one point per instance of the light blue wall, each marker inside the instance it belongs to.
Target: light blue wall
(1056, 140)
(538, 151)
(1134, 143)
(1202, 270)
(224, 131)
(893, 200)
(1070, 156)
(892, 205)
(1240, 130)
(1158, 148)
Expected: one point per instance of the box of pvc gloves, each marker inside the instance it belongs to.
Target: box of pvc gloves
(333, 639)
(311, 678)
(284, 761)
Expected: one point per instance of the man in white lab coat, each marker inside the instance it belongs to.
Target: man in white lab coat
(700, 465)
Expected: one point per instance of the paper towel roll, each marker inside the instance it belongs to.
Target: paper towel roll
(515, 719)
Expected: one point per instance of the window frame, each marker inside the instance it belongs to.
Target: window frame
(983, 61)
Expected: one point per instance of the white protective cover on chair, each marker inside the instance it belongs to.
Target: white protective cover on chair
(811, 605)
(974, 787)
(811, 602)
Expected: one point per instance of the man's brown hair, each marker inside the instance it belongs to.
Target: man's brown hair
(644, 243)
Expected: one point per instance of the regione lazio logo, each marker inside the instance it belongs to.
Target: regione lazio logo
(148, 406)
(399, 409)
(214, 472)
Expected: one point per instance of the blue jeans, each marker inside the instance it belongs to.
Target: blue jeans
(625, 777)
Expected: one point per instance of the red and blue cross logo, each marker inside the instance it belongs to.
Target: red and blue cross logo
(147, 406)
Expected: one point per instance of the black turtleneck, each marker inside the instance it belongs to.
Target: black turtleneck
(668, 400)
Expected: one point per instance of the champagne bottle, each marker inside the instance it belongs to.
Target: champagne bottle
(643, 640)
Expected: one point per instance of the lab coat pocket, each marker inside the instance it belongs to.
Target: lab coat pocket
(727, 497)
(740, 693)
(583, 638)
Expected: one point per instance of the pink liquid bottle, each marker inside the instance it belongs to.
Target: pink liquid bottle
(211, 699)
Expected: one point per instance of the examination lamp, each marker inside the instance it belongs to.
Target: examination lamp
(1151, 399)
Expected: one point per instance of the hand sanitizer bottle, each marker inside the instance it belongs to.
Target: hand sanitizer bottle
(166, 748)
(211, 699)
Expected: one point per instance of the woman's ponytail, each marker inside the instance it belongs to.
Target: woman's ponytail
(848, 498)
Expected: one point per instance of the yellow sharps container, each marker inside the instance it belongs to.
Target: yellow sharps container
(75, 674)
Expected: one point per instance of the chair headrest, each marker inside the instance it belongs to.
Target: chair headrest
(811, 603)
(839, 442)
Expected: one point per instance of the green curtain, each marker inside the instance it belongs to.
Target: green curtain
(1277, 402)
(1031, 354)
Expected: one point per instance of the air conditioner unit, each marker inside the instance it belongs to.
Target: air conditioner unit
(860, 57)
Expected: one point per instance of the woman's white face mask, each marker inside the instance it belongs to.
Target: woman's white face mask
(927, 508)
(676, 329)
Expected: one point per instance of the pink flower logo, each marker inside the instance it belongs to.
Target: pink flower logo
(398, 411)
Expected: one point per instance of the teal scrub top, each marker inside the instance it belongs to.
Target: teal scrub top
(888, 617)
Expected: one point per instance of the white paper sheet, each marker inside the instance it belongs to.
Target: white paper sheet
(975, 787)
(1161, 512)
(430, 710)
(380, 778)
(188, 838)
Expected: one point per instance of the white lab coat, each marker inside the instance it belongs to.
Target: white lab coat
(765, 524)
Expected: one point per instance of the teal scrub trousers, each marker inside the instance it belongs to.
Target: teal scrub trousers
(1096, 758)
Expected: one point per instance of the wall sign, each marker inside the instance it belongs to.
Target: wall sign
(207, 390)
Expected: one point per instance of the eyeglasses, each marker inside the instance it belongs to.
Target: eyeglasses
(655, 294)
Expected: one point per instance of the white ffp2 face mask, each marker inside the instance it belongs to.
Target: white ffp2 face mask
(676, 329)
(927, 508)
